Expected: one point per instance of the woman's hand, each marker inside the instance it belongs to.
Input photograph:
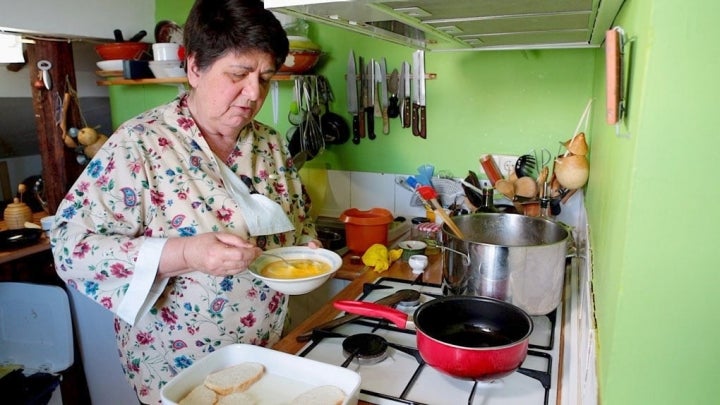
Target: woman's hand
(217, 254)
(315, 244)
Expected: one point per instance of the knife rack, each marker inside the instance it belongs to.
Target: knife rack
(113, 78)
(428, 76)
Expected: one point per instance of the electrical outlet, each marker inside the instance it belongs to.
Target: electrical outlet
(506, 163)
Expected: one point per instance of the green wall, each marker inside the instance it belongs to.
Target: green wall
(650, 197)
(480, 102)
(650, 201)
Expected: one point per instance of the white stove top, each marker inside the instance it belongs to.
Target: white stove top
(402, 377)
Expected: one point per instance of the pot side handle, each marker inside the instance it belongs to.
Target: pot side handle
(371, 309)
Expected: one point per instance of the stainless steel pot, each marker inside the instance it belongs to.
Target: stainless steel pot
(510, 257)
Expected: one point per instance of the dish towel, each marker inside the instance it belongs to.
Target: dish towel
(262, 215)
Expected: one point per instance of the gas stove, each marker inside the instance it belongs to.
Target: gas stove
(393, 371)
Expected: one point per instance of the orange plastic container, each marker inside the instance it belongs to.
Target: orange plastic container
(366, 228)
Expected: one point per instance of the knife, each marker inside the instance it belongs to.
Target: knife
(398, 296)
(352, 97)
(361, 97)
(405, 94)
(393, 104)
(369, 86)
(418, 106)
(381, 77)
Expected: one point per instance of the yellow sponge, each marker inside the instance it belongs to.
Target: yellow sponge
(378, 257)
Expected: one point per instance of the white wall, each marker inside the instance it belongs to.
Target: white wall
(17, 84)
(20, 168)
(78, 18)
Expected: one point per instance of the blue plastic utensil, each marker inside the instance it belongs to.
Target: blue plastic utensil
(425, 174)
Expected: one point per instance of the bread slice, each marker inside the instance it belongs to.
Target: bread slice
(200, 395)
(236, 398)
(322, 395)
(235, 379)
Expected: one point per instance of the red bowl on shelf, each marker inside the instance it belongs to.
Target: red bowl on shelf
(300, 61)
(122, 50)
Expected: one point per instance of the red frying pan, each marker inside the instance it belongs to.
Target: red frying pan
(474, 338)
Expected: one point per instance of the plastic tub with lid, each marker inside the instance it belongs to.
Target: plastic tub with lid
(366, 228)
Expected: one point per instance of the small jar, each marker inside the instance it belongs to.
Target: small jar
(16, 214)
(428, 232)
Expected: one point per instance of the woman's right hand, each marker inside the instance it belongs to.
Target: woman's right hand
(217, 254)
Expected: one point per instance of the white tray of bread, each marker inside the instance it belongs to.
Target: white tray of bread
(253, 375)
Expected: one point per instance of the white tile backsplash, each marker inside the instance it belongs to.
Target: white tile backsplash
(364, 191)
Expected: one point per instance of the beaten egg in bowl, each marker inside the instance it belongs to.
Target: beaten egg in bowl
(309, 268)
(295, 268)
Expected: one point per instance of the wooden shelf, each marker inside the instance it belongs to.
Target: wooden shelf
(115, 78)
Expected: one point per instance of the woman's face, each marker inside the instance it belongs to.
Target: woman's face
(228, 94)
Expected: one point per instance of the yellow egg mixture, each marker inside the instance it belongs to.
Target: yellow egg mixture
(299, 268)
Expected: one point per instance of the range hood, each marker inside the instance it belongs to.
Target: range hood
(466, 24)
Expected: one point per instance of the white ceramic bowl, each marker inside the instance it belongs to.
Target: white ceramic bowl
(296, 286)
(110, 65)
(166, 68)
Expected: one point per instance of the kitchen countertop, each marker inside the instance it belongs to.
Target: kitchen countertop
(359, 274)
(42, 245)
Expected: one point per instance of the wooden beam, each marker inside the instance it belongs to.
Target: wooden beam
(59, 167)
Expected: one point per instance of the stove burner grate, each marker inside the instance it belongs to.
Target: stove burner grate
(366, 348)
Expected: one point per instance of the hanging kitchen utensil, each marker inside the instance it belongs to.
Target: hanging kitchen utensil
(393, 103)
(296, 114)
(351, 83)
(405, 105)
(369, 98)
(334, 128)
(312, 137)
(381, 79)
(45, 66)
(362, 96)
(418, 107)
(475, 338)
(613, 71)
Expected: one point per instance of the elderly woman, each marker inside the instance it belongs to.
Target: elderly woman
(166, 218)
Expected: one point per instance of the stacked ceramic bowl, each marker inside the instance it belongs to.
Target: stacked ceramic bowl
(110, 65)
(303, 55)
(166, 60)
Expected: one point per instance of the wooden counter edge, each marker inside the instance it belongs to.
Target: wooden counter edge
(10, 255)
(399, 269)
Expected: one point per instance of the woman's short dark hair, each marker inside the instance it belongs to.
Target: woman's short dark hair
(217, 27)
